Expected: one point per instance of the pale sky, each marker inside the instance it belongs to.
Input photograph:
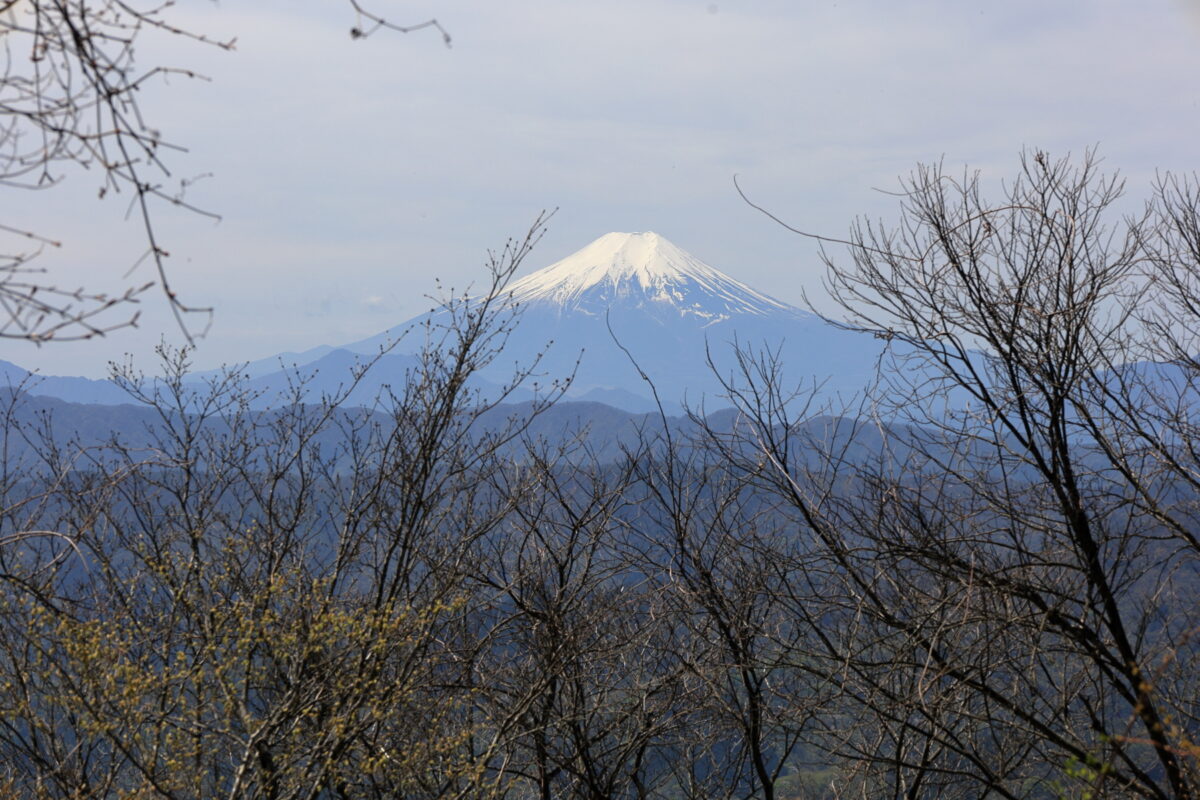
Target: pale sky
(350, 175)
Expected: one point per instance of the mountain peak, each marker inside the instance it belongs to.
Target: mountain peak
(642, 268)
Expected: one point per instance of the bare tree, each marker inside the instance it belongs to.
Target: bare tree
(579, 668)
(263, 604)
(70, 88)
(1016, 577)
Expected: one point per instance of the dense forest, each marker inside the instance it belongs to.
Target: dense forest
(979, 581)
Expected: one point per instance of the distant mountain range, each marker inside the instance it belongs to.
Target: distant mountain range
(626, 298)
(39, 427)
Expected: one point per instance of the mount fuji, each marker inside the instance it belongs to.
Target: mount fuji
(636, 297)
(627, 311)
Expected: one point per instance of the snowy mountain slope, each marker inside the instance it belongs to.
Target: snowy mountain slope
(624, 298)
(643, 269)
(671, 311)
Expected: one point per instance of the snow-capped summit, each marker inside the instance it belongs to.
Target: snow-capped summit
(632, 307)
(642, 268)
(628, 312)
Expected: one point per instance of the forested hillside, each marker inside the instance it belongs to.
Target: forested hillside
(444, 598)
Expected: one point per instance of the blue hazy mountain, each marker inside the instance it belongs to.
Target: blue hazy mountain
(74, 390)
(627, 312)
(625, 298)
(636, 298)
